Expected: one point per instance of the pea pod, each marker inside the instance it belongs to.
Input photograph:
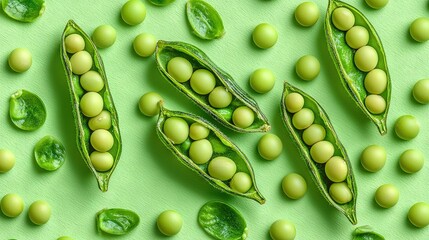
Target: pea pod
(205, 21)
(366, 233)
(117, 221)
(222, 146)
(343, 57)
(165, 51)
(317, 170)
(83, 131)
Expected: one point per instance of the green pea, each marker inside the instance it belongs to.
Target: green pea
(101, 121)
(307, 67)
(101, 161)
(104, 36)
(357, 37)
(373, 158)
(180, 69)
(376, 81)
(39, 212)
(366, 58)
(144, 44)
(7, 160)
(387, 195)
(313, 134)
(270, 146)
(343, 18)
(340, 192)
(169, 222)
(322, 151)
(294, 186)
(375, 104)
(12, 205)
(91, 104)
(20, 60)
(419, 214)
(421, 91)
(220, 97)
(243, 117)
(198, 131)
(294, 102)
(377, 4)
(241, 182)
(81, 62)
(265, 35)
(282, 230)
(411, 161)
(262, 80)
(303, 119)
(65, 238)
(201, 151)
(407, 127)
(176, 129)
(92, 81)
(133, 12)
(149, 103)
(336, 169)
(101, 140)
(222, 168)
(307, 14)
(202, 81)
(419, 29)
(74, 43)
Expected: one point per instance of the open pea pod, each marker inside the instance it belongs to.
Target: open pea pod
(317, 170)
(222, 146)
(165, 51)
(81, 121)
(343, 57)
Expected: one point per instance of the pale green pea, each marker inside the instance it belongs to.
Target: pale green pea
(180, 69)
(282, 230)
(313, 134)
(376, 81)
(377, 4)
(411, 161)
(265, 35)
(92, 81)
(81, 62)
(104, 36)
(200, 151)
(322, 151)
(91, 104)
(144, 44)
(241, 182)
(39, 212)
(203, 81)
(336, 169)
(101, 140)
(176, 129)
(222, 168)
(243, 117)
(101, 161)
(366, 58)
(407, 127)
(307, 67)
(294, 186)
(294, 102)
(373, 158)
(303, 119)
(419, 29)
(198, 131)
(12, 205)
(149, 103)
(20, 60)
(418, 214)
(101, 121)
(74, 43)
(169, 222)
(307, 14)
(375, 104)
(357, 37)
(262, 80)
(387, 195)
(270, 146)
(340, 192)
(7, 160)
(343, 19)
(220, 97)
(421, 91)
(133, 12)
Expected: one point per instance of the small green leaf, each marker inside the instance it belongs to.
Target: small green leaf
(366, 233)
(49, 153)
(117, 221)
(24, 10)
(205, 21)
(26, 110)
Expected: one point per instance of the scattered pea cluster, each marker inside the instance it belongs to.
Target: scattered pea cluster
(12, 206)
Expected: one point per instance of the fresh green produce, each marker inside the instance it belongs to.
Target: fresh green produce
(205, 21)
(313, 134)
(169, 222)
(202, 81)
(303, 119)
(104, 36)
(198, 131)
(7, 160)
(241, 182)
(407, 127)
(375, 104)
(421, 91)
(377, 4)
(101, 161)
(74, 43)
(336, 169)
(270, 146)
(148, 104)
(96, 119)
(357, 37)
(92, 81)
(49, 153)
(12, 205)
(353, 64)
(265, 35)
(419, 29)
(116, 221)
(81, 62)
(375, 81)
(419, 214)
(373, 158)
(20, 60)
(24, 10)
(243, 117)
(216, 104)
(39, 212)
(294, 186)
(222, 221)
(262, 80)
(26, 110)
(341, 195)
(387, 195)
(366, 233)
(307, 14)
(411, 161)
(161, 2)
(224, 151)
(133, 12)
(322, 151)
(282, 230)
(307, 67)
(201, 151)
(144, 44)
(294, 102)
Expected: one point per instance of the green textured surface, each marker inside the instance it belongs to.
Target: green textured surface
(149, 180)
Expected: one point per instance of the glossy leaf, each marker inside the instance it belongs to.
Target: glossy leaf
(49, 153)
(26, 110)
(366, 233)
(204, 20)
(117, 221)
(24, 10)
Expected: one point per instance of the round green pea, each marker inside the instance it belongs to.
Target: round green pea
(169, 222)
(144, 44)
(375, 104)
(407, 127)
(133, 12)
(322, 151)
(12, 205)
(366, 58)
(377, 4)
(270, 146)
(387, 196)
(7, 160)
(357, 37)
(81, 62)
(222, 168)
(91, 104)
(92, 81)
(198, 131)
(65, 238)
(180, 69)
(176, 129)
(101, 121)
(307, 67)
(376, 81)
(343, 19)
(74, 43)
(262, 80)
(419, 29)
(101, 161)
(294, 186)
(411, 161)
(39, 212)
(241, 182)
(102, 140)
(149, 104)
(220, 97)
(303, 119)
(20, 60)
(294, 102)
(282, 230)
(418, 214)
(421, 91)
(336, 169)
(313, 134)
(203, 81)
(340, 192)
(104, 36)
(307, 14)
(200, 151)
(265, 35)
(243, 117)
(373, 158)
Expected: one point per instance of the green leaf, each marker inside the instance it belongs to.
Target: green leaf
(205, 21)
(366, 233)
(24, 10)
(27, 111)
(49, 153)
(117, 221)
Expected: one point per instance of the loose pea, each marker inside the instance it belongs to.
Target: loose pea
(144, 44)
(294, 102)
(12, 205)
(313, 134)
(149, 103)
(202, 81)
(243, 117)
(222, 168)
(20, 60)
(322, 151)
(419, 214)
(104, 36)
(336, 169)
(101, 140)
(101, 161)
(366, 58)
(74, 43)
(101, 121)
(169, 222)
(92, 81)
(39, 212)
(343, 19)
(198, 131)
(373, 158)
(375, 104)
(303, 119)
(307, 67)
(180, 69)
(91, 104)
(270, 146)
(133, 12)
(294, 186)
(282, 230)
(241, 182)
(421, 91)
(357, 37)
(411, 161)
(262, 80)
(407, 127)
(7, 160)
(376, 81)
(176, 129)
(376, 4)
(307, 14)
(81, 62)
(265, 35)
(220, 97)
(200, 151)
(419, 29)
(340, 192)
(387, 196)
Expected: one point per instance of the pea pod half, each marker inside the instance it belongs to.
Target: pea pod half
(166, 51)
(117, 221)
(343, 57)
(83, 130)
(366, 233)
(317, 170)
(221, 145)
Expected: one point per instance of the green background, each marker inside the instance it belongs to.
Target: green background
(149, 179)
